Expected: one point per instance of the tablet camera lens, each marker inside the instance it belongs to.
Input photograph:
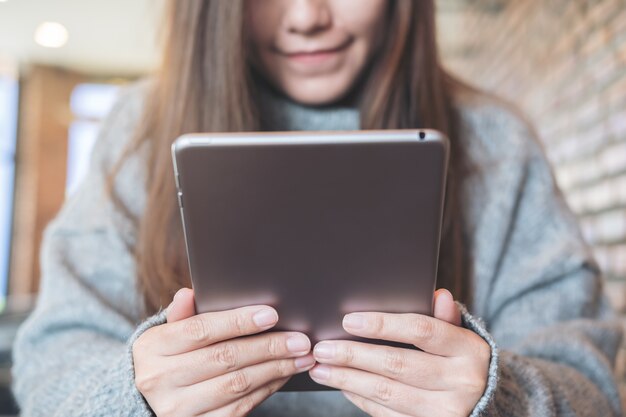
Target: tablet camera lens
(422, 135)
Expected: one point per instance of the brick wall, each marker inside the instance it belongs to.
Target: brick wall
(564, 63)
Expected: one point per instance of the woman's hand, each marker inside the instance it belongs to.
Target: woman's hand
(200, 365)
(446, 379)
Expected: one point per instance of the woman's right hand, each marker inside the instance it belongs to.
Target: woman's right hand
(201, 365)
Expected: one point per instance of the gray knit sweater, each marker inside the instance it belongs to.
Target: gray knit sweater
(537, 293)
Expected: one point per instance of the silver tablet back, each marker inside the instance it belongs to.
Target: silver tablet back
(316, 224)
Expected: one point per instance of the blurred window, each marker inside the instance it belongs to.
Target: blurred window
(8, 138)
(90, 103)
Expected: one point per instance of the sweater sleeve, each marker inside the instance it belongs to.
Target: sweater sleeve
(553, 335)
(72, 357)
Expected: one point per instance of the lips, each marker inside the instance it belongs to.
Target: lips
(313, 50)
(317, 51)
(315, 61)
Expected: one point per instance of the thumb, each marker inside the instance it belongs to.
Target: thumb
(182, 306)
(445, 308)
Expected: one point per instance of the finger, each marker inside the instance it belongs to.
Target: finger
(182, 306)
(445, 308)
(382, 390)
(206, 329)
(230, 387)
(411, 367)
(370, 407)
(427, 333)
(231, 355)
(245, 405)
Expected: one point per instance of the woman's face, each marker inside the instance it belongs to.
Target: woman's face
(314, 50)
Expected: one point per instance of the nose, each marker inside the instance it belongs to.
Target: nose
(308, 16)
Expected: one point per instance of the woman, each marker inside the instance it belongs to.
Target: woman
(545, 342)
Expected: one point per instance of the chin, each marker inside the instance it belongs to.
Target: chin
(317, 93)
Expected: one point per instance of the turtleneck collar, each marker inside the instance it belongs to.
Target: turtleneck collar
(280, 113)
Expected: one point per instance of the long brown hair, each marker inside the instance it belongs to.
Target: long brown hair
(205, 83)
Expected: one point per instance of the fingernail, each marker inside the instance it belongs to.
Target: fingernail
(354, 321)
(298, 343)
(178, 293)
(320, 372)
(304, 362)
(324, 350)
(450, 296)
(265, 317)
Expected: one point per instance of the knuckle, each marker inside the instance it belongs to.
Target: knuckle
(282, 368)
(141, 346)
(348, 354)
(238, 383)
(238, 322)
(274, 386)
(273, 346)
(383, 391)
(423, 328)
(225, 355)
(147, 382)
(244, 406)
(394, 362)
(378, 323)
(196, 329)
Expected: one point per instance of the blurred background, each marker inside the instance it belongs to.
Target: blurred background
(62, 63)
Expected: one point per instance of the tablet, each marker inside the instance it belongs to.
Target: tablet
(315, 224)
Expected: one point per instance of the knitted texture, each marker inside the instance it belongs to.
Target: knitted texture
(533, 283)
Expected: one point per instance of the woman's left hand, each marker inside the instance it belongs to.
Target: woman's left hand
(445, 379)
